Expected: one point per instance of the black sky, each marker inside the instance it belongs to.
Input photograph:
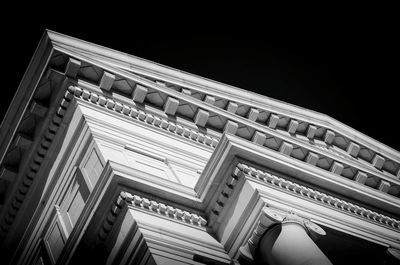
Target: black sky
(343, 65)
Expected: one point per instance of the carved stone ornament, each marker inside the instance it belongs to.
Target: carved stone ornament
(268, 219)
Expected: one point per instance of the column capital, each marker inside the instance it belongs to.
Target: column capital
(393, 256)
(270, 217)
(313, 230)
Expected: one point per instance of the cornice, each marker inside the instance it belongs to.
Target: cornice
(316, 196)
(222, 204)
(178, 129)
(23, 95)
(28, 176)
(232, 148)
(129, 64)
(252, 188)
(144, 116)
(165, 210)
(126, 199)
(374, 155)
(146, 73)
(110, 60)
(160, 234)
(245, 190)
(127, 110)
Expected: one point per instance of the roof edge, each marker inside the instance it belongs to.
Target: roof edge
(129, 62)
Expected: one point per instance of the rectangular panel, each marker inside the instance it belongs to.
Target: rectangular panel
(55, 242)
(93, 167)
(187, 177)
(76, 207)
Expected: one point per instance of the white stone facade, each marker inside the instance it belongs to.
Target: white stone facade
(109, 158)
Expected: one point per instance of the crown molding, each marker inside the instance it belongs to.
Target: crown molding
(131, 64)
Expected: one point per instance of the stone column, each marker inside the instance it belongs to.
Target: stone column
(289, 242)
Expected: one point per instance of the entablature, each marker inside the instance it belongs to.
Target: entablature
(236, 207)
(163, 82)
(234, 124)
(196, 108)
(338, 165)
(208, 111)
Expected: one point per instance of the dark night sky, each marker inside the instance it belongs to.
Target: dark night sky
(342, 65)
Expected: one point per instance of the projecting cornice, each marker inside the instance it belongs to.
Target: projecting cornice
(129, 63)
(205, 99)
(241, 178)
(232, 148)
(187, 105)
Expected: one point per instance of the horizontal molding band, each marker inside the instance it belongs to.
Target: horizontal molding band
(283, 184)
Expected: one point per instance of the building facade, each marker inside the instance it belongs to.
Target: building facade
(113, 159)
